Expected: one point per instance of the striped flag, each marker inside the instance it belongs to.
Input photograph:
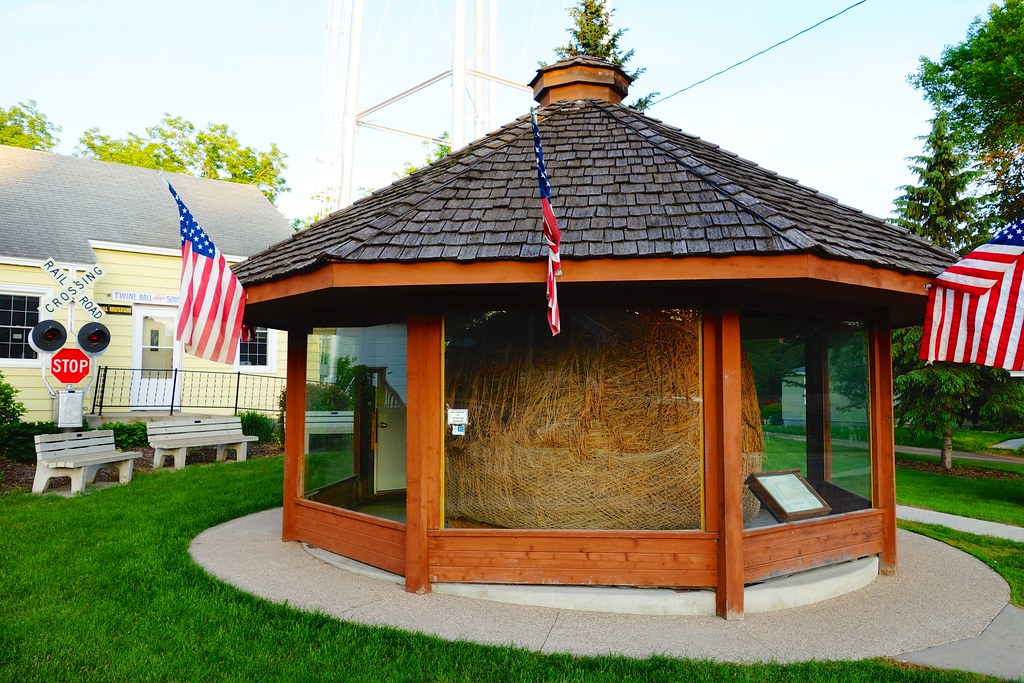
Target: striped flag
(212, 298)
(975, 310)
(552, 236)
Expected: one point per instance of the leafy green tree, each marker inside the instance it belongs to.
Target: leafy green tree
(937, 398)
(177, 145)
(942, 206)
(981, 83)
(22, 125)
(592, 36)
(436, 152)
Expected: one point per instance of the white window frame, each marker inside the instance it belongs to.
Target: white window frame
(44, 293)
(271, 366)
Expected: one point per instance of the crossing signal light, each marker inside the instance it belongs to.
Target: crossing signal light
(93, 338)
(47, 336)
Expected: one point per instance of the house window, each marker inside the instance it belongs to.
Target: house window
(255, 353)
(18, 315)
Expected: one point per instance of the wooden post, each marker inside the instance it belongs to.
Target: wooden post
(712, 514)
(295, 427)
(818, 406)
(883, 449)
(729, 596)
(423, 446)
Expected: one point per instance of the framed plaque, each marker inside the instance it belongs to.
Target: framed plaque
(787, 495)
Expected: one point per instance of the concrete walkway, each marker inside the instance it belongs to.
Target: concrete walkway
(944, 608)
(971, 526)
(964, 455)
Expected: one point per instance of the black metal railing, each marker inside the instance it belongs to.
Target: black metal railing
(176, 390)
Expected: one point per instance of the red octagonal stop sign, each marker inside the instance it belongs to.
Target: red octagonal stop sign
(70, 366)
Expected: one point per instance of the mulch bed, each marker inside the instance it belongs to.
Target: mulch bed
(957, 471)
(18, 475)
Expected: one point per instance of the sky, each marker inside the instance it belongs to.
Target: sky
(831, 108)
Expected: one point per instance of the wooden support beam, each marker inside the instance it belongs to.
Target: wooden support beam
(729, 596)
(295, 434)
(712, 513)
(423, 446)
(883, 449)
(692, 268)
(818, 405)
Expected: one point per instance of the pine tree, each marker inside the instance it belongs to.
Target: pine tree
(942, 206)
(936, 398)
(592, 36)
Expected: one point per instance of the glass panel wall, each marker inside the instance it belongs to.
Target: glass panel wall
(600, 427)
(811, 382)
(355, 419)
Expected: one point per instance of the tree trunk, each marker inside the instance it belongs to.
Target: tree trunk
(946, 456)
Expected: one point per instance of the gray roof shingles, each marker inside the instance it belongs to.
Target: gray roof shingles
(624, 185)
(52, 205)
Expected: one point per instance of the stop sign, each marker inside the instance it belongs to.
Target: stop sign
(70, 366)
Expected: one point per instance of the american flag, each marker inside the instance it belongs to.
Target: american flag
(212, 299)
(975, 311)
(552, 236)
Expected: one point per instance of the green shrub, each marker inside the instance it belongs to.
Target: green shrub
(327, 397)
(10, 410)
(322, 397)
(17, 440)
(258, 424)
(771, 413)
(128, 436)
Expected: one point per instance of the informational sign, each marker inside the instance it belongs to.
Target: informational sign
(70, 366)
(116, 309)
(787, 495)
(72, 288)
(458, 418)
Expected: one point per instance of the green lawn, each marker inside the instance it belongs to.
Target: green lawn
(850, 463)
(101, 588)
(995, 500)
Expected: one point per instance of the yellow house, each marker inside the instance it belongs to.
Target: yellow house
(115, 229)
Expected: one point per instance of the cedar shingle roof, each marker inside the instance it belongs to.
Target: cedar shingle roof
(624, 186)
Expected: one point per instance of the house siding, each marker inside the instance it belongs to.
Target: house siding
(124, 271)
(23, 375)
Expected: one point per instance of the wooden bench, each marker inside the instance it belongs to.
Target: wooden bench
(79, 455)
(176, 436)
(328, 422)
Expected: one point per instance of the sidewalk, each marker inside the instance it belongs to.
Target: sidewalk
(963, 455)
(944, 608)
(971, 526)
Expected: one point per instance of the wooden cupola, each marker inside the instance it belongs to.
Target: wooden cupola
(580, 78)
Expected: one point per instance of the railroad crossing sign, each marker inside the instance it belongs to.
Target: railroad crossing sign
(70, 366)
(72, 288)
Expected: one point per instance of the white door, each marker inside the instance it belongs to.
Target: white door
(155, 355)
(389, 458)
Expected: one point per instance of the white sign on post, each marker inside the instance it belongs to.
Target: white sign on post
(72, 288)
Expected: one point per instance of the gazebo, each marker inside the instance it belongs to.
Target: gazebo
(716, 411)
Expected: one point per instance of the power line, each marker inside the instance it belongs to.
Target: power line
(767, 49)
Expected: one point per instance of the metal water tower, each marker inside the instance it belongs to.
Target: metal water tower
(470, 76)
